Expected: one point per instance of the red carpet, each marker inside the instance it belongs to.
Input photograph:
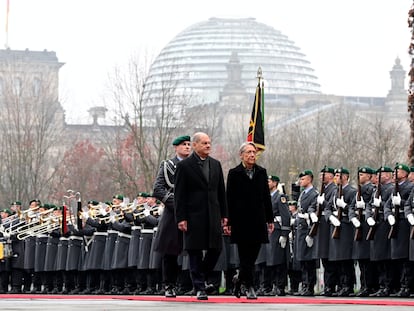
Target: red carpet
(229, 299)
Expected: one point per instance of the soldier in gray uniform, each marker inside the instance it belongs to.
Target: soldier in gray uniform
(409, 215)
(277, 254)
(303, 243)
(400, 234)
(360, 249)
(322, 237)
(168, 240)
(380, 246)
(340, 245)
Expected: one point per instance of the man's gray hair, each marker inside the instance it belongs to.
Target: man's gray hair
(196, 137)
(245, 144)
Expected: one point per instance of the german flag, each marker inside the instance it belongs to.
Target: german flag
(256, 126)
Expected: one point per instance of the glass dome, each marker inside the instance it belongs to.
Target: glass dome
(195, 62)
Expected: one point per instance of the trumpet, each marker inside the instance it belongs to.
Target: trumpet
(14, 228)
(154, 211)
(50, 224)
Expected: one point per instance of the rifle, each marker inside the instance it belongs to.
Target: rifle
(336, 233)
(394, 228)
(372, 229)
(314, 229)
(359, 215)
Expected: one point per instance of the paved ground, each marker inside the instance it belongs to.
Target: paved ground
(10, 304)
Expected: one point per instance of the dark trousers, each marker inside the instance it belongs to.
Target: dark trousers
(295, 277)
(347, 272)
(169, 270)
(369, 274)
(247, 255)
(330, 274)
(201, 265)
(308, 268)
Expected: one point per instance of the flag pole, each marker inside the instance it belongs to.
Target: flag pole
(6, 45)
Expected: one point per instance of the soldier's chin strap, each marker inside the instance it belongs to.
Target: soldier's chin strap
(169, 167)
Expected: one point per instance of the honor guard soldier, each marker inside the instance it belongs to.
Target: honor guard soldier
(400, 230)
(380, 246)
(278, 246)
(409, 215)
(169, 240)
(303, 242)
(294, 272)
(342, 232)
(321, 237)
(360, 248)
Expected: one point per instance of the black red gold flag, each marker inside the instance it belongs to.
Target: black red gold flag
(256, 126)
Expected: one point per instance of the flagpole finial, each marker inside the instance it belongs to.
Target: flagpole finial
(259, 73)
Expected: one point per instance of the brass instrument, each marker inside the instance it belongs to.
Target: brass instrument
(154, 211)
(47, 225)
(24, 224)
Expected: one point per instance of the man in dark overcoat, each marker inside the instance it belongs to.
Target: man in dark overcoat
(201, 209)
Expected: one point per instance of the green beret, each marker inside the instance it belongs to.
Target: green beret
(385, 169)
(274, 178)
(306, 173)
(58, 208)
(328, 170)
(293, 203)
(342, 170)
(412, 169)
(35, 200)
(366, 169)
(93, 202)
(16, 203)
(403, 167)
(119, 197)
(46, 205)
(7, 211)
(143, 194)
(181, 139)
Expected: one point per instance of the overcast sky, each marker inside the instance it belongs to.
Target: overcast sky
(352, 44)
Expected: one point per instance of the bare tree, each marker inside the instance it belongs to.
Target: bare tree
(31, 124)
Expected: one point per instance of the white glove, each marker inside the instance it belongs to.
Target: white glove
(370, 221)
(410, 218)
(309, 241)
(340, 202)
(360, 204)
(303, 216)
(355, 222)
(396, 199)
(335, 221)
(321, 199)
(377, 202)
(146, 212)
(102, 211)
(313, 217)
(85, 215)
(391, 220)
(290, 236)
(292, 221)
(282, 241)
(112, 218)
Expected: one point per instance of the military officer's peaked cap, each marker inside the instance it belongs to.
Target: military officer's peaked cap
(181, 139)
(274, 178)
(403, 167)
(306, 173)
